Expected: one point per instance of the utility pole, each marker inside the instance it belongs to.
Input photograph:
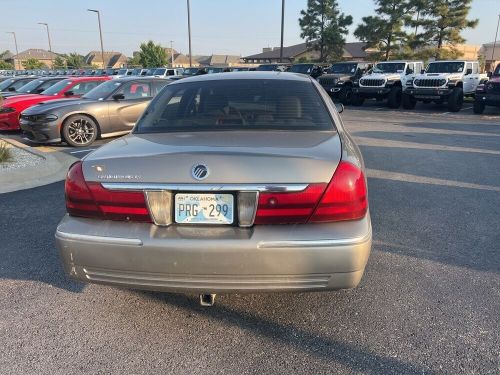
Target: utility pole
(189, 34)
(17, 51)
(282, 28)
(50, 44)
(495, 44)
(100, 34)
(172, 52)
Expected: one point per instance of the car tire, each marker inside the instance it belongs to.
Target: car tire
(79, 131)
(357, 100)
(409, 102)
(456, 100)
(479, 107)
(346, 95)
(395, 97)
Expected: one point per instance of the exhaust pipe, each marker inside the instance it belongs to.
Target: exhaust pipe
(207, 300)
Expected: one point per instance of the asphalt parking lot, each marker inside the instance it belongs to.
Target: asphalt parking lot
(428, 304)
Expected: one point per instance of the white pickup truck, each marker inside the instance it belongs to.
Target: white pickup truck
(385, 82)
(444, 81)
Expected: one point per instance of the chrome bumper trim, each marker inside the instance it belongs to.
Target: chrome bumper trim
(98, 239)
(204, 187)
(312, 243)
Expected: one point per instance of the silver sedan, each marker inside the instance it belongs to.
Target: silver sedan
(234, 182)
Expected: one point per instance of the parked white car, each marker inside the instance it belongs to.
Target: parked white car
(168, 72)
(444, 81)
(385, 82)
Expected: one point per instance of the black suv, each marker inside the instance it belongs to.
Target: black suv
(313, 70)
(341, 76)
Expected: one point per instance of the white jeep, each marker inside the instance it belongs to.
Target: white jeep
(385, 81)
(444, 81)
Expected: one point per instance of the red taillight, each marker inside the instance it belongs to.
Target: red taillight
(287, 208)
(345, 197)
(91, 199)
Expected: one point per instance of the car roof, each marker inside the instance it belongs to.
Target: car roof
(83, 79)
(458, 60)
(399, 61)
(246, 75)
(140, 78)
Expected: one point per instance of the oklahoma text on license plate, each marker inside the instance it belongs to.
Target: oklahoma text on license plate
(191, 208)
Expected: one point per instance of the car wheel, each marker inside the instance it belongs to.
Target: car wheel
(79, 131)
(478, 107)
(346, 95)
(456, 100)
(409, 102)
(394, 100)
(357, 100)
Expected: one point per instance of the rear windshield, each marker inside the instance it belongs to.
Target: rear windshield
(242, 104)
(497, 71)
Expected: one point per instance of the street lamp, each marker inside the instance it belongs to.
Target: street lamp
(50, 44)
(282, 28)
(172, 52)
(100, 33)
(189, 34)
(17, 51)
(495, 43)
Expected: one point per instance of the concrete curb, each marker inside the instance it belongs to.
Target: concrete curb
(52, 169)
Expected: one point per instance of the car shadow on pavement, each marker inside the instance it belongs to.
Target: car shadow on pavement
(28, 221)
(297, 338)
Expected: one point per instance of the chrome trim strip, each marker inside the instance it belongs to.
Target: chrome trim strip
(312, 243)
(98, 239)
(204, 187)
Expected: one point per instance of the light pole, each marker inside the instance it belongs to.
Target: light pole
(189, 35)
(282, 28)
(100, 34)
(172, 52)
(50, 44)
(17, 51)
(495, 43)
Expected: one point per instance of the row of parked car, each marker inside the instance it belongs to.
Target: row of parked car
(79, 109)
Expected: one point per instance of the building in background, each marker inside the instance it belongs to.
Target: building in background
(45, 57)
(301, 52)
(219, 60)
(111, 59)
(490, 60)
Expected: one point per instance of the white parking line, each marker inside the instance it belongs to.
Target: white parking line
(77, 152)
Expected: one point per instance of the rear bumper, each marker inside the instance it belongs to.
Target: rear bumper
(212, 260)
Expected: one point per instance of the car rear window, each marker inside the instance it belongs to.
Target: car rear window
(240, 104)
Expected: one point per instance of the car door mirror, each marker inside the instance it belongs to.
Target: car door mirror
(409, 71)
(118, 97)
(69, 93)
(422, 71)
(340, 107)
(468, 72)
(11, 89)
(489, 74)
(39, 91)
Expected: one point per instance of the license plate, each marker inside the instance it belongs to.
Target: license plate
(191, 208)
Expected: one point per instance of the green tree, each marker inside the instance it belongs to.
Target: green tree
(74, 61)
(152, 55)
(445, 20)
(135, 60)
(5, 65)
(385, 31)
(59, 63)
(324, 28)
(33, 64)
(4, 53)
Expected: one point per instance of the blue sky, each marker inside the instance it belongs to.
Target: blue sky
(218, 26)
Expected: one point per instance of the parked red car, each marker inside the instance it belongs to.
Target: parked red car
(11, 108)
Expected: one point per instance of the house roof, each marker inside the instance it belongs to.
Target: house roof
(110, 58)
(32, 53)
(351, 50)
